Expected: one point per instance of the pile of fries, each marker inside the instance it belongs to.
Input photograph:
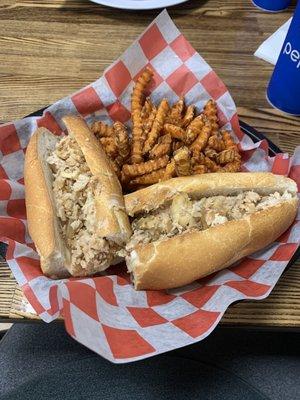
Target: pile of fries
(166, 141)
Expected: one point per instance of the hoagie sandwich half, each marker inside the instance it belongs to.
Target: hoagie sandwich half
(75, 207)
(187, 228)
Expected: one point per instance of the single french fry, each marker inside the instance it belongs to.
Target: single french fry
(175, 114)
(109, 145)
(199, 158)
(182, 162)
(100, 129)
(170, 171)
(122, 140)
(194, 129)
(148, 123)
(148, 179)
(136, 107)
(216, 143)
(145, 168)
(230, 144)
(211, 165)
(137, 147)
(146, 109)
(157, 126)
(228, 140)
(175, 131)
(139, 89)
(226, 156)
(162, 147)
(211, 113)
(201, 141)
(234, 166)
(188, 116)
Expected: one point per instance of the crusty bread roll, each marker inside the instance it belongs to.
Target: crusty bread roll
(110, 203)
(43, 226)
(205, 185)
(66, 245)
(178, 260)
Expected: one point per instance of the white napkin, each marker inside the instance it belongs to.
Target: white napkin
(269, 50)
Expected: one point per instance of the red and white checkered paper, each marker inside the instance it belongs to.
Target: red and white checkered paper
(105, 313)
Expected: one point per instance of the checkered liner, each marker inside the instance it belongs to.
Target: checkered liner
(105, 313)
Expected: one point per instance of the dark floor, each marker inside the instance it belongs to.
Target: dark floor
(39, 361)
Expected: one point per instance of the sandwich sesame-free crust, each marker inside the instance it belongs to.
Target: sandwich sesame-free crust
(110, 203)
(177, 261)
(206, 185)
(43, 224)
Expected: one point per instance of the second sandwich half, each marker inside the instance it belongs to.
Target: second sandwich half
(75, 208)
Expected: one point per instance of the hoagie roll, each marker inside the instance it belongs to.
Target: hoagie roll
(187, 228)
(74, 202)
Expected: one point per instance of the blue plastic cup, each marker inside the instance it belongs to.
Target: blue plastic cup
(272, 5)
(284, 87)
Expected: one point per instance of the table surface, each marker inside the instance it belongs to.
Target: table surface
(51, 48)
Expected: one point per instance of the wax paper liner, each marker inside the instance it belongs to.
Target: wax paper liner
(105, 313)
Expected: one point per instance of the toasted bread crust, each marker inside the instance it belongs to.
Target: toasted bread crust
(42, 220)
(41, 216)
(204, 185)
(110, 207)
(177, 261)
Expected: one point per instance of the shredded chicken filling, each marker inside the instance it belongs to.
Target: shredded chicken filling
(74, 190)
(185, 214)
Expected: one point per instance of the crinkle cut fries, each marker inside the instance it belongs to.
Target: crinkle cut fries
(166, 141)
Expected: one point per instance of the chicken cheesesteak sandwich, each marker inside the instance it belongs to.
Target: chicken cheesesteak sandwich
(170, 233)
(187, 228)
(75, 208)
